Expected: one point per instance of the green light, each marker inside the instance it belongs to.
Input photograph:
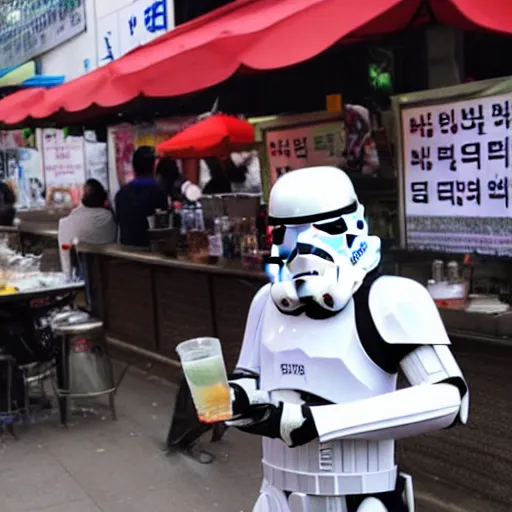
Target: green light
(379, 79)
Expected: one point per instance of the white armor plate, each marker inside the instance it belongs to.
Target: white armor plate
(321, 357)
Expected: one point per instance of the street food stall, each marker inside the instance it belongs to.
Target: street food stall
(213, 227)
(203, 272)
(454, 187)
(150, 303)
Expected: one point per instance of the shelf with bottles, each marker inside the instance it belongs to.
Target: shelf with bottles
(210, 235)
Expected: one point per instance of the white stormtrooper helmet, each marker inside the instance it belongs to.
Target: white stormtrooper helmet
(322, 250)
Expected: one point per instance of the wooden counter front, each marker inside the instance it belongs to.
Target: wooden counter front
(155, 302)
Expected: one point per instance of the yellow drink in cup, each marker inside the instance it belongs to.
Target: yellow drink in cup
(205, 371)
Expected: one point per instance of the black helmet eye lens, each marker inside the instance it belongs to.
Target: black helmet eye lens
(338, 227)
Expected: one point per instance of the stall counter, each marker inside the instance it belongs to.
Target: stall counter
(150, 303)
(224, 293)
(153, 302)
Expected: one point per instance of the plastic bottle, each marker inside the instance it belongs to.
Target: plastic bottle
(183, 213)
(227, 238)
(199, 217)
(215, 243)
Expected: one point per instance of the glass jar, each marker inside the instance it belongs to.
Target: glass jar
(198, 246)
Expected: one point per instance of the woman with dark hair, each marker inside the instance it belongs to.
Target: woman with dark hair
(169, 177)
(94, 195)
(92, 222)
(172, 181)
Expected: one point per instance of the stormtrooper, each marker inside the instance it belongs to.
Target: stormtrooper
(323, 345)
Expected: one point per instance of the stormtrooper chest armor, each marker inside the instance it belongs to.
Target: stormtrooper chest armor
(324, 358)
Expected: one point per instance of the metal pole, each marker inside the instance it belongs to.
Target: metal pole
(152, 356)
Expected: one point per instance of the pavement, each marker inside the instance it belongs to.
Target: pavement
(101, 465)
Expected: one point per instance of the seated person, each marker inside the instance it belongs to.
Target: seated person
(92, 222)
(139, 199)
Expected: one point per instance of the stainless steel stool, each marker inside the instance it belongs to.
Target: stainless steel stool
(84, 369)
(10, 411)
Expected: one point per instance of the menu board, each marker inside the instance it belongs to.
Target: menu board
(457, 176)
(305, 146)
(64, 167)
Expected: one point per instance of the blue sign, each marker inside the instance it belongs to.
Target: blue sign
(130, 27)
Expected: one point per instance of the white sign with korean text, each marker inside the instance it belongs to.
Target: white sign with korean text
(305, 146)
(135, 24)
(457, 176)
(457, 158)
(33, 28)
(64, 166)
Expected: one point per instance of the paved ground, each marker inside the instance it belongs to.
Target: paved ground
(98, 465)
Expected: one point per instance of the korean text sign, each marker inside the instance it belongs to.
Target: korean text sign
(305, 146)
(64, 167)
(457, 162)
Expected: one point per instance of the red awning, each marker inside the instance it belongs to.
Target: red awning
(256, 34)
(218, 135)
(492, 15)
(15, 105)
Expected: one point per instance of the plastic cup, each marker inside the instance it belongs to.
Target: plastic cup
(205, 371)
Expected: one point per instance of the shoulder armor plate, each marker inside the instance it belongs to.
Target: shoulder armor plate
(404, 313)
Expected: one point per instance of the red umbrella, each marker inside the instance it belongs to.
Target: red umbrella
(218, 135)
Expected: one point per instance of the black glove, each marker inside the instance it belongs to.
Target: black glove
(292, 423)
(245, 394)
